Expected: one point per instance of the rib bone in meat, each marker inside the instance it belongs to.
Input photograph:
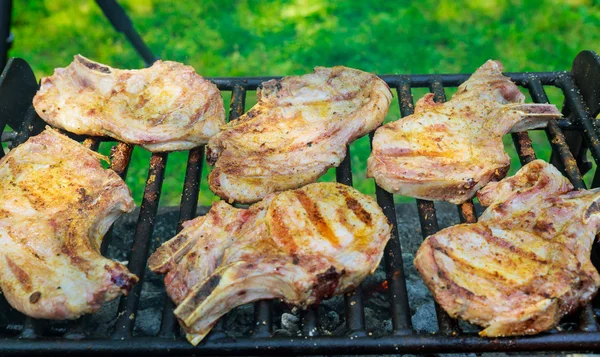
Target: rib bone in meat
(298, 129)
(57, 202)
(526, 263)
(448, 151)
(166, 107)
(300, 246)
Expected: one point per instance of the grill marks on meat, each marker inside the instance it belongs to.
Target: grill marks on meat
(298, 129)
(55, 210)
(526, 263)
(165, 107)
(300, 246)
(448, 151)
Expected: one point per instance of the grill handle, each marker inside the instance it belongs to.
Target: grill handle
(121, 22)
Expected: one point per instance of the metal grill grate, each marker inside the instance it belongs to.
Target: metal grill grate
(31, 336)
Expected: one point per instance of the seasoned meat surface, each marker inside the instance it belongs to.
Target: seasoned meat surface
(448, 151)
(166, 107)
(57, 202)
(298, 129)
(300, 246)
(526, 263)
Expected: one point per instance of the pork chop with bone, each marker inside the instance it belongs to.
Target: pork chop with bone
(448, 151)
(297, 131)
(57, 202)
(300, 246)
(165, 107)
(526, 262)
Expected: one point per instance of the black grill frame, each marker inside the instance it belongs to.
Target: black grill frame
(18, 85)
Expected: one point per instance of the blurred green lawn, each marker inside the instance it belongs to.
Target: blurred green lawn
(276, 37)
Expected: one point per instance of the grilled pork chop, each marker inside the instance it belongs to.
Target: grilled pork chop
(300, 246)
(526, 263)
(165, 107)
(448, 151)
(57, 204)
(298, 129)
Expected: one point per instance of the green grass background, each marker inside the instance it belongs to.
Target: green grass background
(276, 37)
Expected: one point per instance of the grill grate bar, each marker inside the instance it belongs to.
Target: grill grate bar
(524, 147)
(428, 219)
(466, 212)
(573, 341)
(353, 301)
(120, 156)
(557, 138)
(139, 250)
(310, 318)
(394, 266)
(580, 114)
(394, 80)
(263, 319)
(262, 309)
(77, 329)
(574, 101)
(238, 102)
(587, 320)
(187, 210)
(426, 209)
(236, 109)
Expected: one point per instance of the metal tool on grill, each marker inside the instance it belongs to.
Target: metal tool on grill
(581, 89)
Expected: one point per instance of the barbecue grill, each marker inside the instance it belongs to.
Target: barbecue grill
(569, 137)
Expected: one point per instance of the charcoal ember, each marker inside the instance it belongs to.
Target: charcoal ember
(379, 301)
(376, 324)
(280, 332)
(329, 321)
(418, 293)
(467, 327)
(409, 229)
(240, 321)
(103, 321)
(290, 323)
(122, 236)
(331, 316)
(424, 320)
(146, 323)
(147, 320)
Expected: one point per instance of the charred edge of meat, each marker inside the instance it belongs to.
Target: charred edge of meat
(211, 156)
(271, 83)
(500, 173)
(326, 283)
(121, 279)
(93, 65)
